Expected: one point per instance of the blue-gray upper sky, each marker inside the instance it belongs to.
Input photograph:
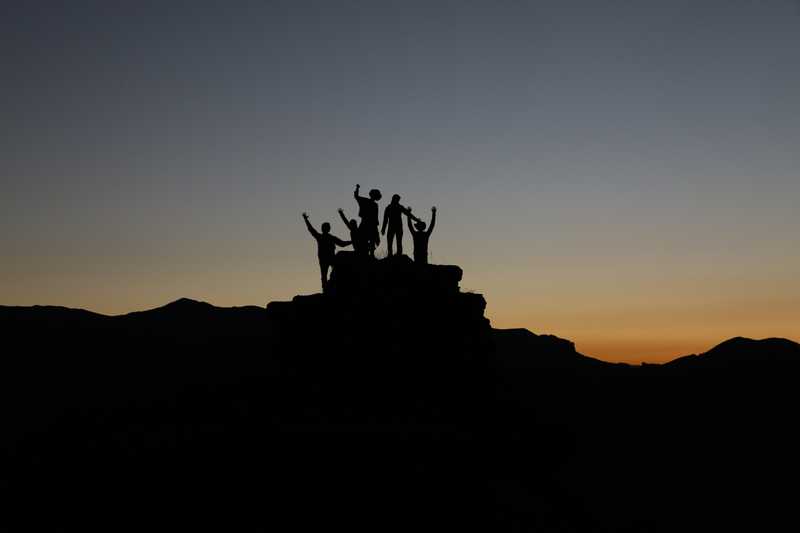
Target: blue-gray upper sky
(622, 173)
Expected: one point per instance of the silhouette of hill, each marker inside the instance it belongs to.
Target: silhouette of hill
(387, 403)
(522, 349)
(743, 353)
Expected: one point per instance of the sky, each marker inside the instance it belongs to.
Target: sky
(624, 174)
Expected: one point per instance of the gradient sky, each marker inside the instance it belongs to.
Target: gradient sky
(625, 174)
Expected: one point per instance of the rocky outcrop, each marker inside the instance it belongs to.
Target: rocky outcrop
(390, 308)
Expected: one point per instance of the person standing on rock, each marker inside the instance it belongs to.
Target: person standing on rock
(420, 237)
(326, 248)
(393, 218)
(368, 211)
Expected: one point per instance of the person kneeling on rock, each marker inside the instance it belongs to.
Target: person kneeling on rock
(355, 237)
(326, 247)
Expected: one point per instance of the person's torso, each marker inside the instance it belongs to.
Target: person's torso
(395, 216)
(326, 246)
(420, 242)
(368, 211)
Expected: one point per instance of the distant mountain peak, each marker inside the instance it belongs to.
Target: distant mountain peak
(182, 303)
(733, 343)
(745, 352)
(179, 307)
(739, 343)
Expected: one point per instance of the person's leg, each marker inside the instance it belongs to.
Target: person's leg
(399, 237)
(374, 243)
(323, 270)
(365, 240)
(389, 241)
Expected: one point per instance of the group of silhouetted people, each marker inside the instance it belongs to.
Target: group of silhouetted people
(365, 237)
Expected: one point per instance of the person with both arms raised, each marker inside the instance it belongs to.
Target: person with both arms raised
(421, 237)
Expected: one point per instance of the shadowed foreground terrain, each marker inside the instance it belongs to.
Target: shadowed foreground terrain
(388, 403)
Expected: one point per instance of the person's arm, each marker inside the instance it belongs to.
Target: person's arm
(311, 229)
(342, 243)
(385, 220)
(355, 193)
(407, 212)
(410, 225)
(433, 220)
(344, 218)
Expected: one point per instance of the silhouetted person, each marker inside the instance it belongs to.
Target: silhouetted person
(326, 247)
(368, 211)
(393, 218)
(355, 236)
(420, 236)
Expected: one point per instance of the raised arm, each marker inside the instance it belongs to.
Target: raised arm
(433, 220)
(407, 212)
(311, 229)
(355, 193)
(344, 218)
(410, 225)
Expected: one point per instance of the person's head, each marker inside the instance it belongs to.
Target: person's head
(375, 194)
(395, 198)
(326, 227)
(420, 226)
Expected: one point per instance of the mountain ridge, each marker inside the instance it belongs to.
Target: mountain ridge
(186, 308)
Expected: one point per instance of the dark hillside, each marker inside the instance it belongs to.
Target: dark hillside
(387, 403)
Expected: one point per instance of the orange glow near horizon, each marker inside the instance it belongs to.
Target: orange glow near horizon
(640, 324)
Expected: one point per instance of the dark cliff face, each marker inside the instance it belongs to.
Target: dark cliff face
(391, 338)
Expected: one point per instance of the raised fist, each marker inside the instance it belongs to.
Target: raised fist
(305, 215)
(433, 209)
